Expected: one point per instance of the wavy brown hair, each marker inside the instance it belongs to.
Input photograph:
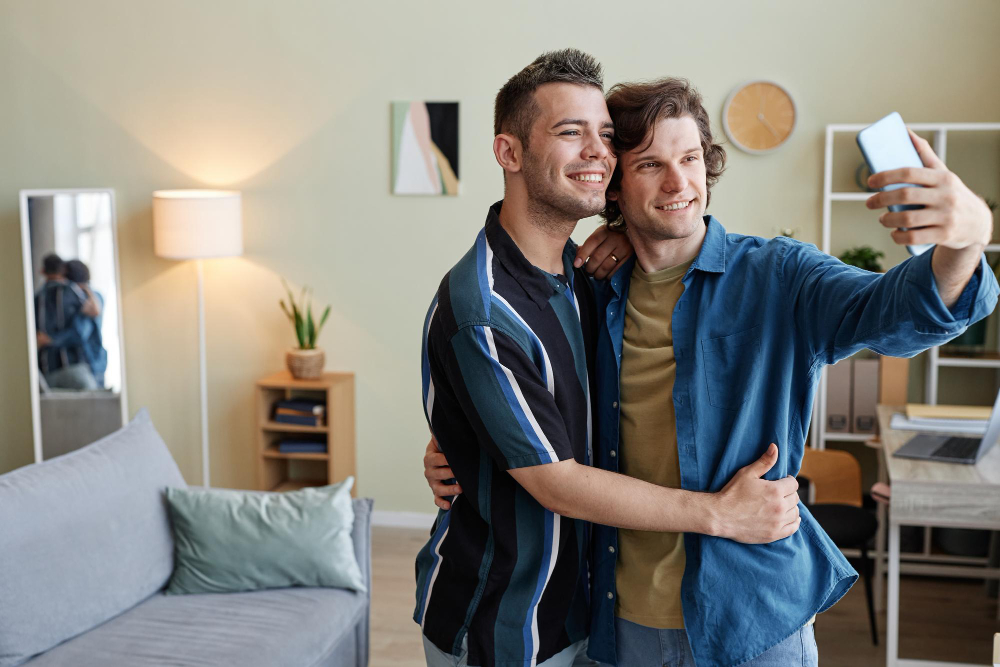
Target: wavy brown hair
(636, 108)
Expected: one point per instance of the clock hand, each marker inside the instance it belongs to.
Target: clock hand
(763, 121)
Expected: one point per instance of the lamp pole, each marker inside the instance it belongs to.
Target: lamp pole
(197, 224)
(202, 368)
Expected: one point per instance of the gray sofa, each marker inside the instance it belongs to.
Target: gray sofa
(86, 550)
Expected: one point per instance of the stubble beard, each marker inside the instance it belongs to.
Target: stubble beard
(551, 208)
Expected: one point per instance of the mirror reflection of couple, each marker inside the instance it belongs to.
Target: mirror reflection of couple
(606, 505)
(68, 318)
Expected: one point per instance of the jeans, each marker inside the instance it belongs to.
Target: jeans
(639, 646)
(75, 376)
(574, 655)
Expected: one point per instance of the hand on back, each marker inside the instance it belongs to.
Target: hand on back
(438, 472)
(603, 252)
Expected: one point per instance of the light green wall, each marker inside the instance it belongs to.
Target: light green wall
(289, 102)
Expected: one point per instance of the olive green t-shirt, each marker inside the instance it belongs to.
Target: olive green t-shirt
(650, 565)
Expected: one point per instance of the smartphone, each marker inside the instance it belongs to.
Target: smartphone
(886, 145)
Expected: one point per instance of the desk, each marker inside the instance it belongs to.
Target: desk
(926, 493)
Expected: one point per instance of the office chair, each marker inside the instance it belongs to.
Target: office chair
(837, 506)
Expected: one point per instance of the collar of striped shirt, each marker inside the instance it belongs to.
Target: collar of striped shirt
(537, 284)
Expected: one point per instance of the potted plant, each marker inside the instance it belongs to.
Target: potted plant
(864, 257)
(305, 362)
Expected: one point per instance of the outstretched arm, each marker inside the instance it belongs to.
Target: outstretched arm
(925, 301)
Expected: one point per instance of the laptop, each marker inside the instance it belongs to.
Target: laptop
(949, 449)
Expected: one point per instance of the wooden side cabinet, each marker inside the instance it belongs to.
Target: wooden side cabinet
(277, 471)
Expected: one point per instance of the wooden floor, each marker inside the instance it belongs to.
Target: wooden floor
(941, 619)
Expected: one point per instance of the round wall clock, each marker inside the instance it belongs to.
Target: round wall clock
(759, 116)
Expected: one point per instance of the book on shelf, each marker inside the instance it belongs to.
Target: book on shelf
(300, 406)
(290, 446)
(297, 413)
(299, 420)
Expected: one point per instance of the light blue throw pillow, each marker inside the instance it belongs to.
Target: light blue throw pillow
(228, 541)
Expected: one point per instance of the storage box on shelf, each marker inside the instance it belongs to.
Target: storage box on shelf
(281, 471)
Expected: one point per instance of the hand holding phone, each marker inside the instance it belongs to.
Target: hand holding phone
(942, 211)
(886, 145)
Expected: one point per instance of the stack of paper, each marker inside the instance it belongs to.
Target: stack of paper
(901, 422)
(956, 419)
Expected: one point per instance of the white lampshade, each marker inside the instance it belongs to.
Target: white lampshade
(193, 224)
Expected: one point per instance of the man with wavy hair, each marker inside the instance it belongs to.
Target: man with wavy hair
(712, 342)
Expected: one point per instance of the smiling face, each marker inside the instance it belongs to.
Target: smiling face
(568, 161)
(664, 192)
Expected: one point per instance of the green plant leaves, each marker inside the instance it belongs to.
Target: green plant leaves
(301, 317)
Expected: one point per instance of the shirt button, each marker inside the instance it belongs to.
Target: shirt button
(611, 549)
(613, 454)
(615, 404)
(611, 596)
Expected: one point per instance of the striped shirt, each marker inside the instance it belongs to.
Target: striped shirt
(506, 352)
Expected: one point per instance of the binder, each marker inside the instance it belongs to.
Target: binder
(865, 395)
(838, 397)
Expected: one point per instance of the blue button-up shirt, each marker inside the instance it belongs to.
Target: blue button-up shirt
(757, 321)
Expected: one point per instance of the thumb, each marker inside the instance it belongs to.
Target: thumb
(760, 467)
(926, 153)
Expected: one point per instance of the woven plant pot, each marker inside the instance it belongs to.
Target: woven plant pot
(305, 364)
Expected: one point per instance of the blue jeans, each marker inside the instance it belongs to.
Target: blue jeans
(639, 646)
(574, 655)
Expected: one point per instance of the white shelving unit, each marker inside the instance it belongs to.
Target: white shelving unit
(935, 361)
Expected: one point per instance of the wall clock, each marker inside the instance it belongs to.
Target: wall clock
(759, 116)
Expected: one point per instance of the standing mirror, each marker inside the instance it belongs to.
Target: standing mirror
(73, 305)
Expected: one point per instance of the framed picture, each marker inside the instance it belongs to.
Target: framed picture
(425, 148)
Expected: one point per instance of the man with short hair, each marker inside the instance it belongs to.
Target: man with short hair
(711, 342)
(508, 347)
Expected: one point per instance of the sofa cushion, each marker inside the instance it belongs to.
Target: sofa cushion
(288, 626)
(229, 541)
(84, 537)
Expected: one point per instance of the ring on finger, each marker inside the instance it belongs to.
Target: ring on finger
(613, 258)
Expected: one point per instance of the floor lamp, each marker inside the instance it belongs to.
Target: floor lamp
(198, 224)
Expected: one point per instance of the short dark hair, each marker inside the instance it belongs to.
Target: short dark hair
(515, 109)
(77, 271)
(52, 264)
(636, 108)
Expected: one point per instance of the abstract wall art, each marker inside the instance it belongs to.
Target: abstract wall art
(425, 148)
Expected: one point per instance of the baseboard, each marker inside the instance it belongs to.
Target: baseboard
(421, 520)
